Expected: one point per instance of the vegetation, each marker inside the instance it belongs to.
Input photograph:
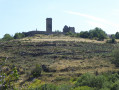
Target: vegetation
(9, 79)
(7, 37)
(112, 40)
(33, 64)
(85, 82)
(115, 55)
(96, 33)
(19, 35)
(117, 35)
(36, 72)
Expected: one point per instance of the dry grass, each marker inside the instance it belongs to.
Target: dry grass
(74, 68)
(93, 57)
(42, 38)
(94, 63)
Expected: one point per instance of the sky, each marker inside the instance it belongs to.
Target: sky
(27, 15)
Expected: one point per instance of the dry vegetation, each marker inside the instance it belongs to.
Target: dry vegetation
(65, 57)
(42, 38)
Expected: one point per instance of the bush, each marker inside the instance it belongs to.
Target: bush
(115, 55)
(113, 78)
(7, 37)
(91, 81)
(36, 84)
(84, 88)
(19, 35)
(117, 35)
(65, 87)
(36, 71)
(84, 34)
(111, 41)
(115, 86)
(48, 87)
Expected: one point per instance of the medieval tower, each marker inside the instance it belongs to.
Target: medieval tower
(49, 25)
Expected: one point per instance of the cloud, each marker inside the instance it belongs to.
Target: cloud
(97, 19)
(87, 16)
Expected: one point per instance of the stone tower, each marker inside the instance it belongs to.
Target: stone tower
(49, 25)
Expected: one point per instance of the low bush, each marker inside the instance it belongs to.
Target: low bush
(113, 41)
(64, 87)
(115, 86)
(115, 55)
(36, 83)
(83, 88)
(36, 72)
(48, 87)
(7, 37)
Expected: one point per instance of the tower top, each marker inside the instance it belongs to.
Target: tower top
(48, 18)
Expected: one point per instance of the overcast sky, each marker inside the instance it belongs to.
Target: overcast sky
(27, 15)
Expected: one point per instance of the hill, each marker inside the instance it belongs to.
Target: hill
(61, 58)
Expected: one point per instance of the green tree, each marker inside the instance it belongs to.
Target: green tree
(7, 37)
(36, 71)
(15, 73)
(115, 86)
(97, 33)
(19, 35)
(84, 88)
(115, 55)
(117, 35)
(84, 34)
(112, 40)
(91, 81)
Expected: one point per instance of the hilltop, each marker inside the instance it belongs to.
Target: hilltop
(61, 57)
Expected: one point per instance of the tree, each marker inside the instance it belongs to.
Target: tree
(7, 37)
(36, 72)
(84, 34)
(115, 55)
(97, 33)
(112, 40)
(19, 35)
(117, 35)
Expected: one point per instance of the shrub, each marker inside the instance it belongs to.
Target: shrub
(115, 86)
(84, 34)
(19, 35)
(64, 87)
(7, 37)
(97, 32)
(91, 81)
(48, 87)
(113, 78)
(36, 71)
(84, 88)
(37, 83)
(115, 55)
(105, 89)
(15, 73)
(117, 35)
(111, 41)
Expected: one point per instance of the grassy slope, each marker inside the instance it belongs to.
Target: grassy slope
(65, 56)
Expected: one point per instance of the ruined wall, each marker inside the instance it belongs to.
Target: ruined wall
(72, 29)
(68, 29)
